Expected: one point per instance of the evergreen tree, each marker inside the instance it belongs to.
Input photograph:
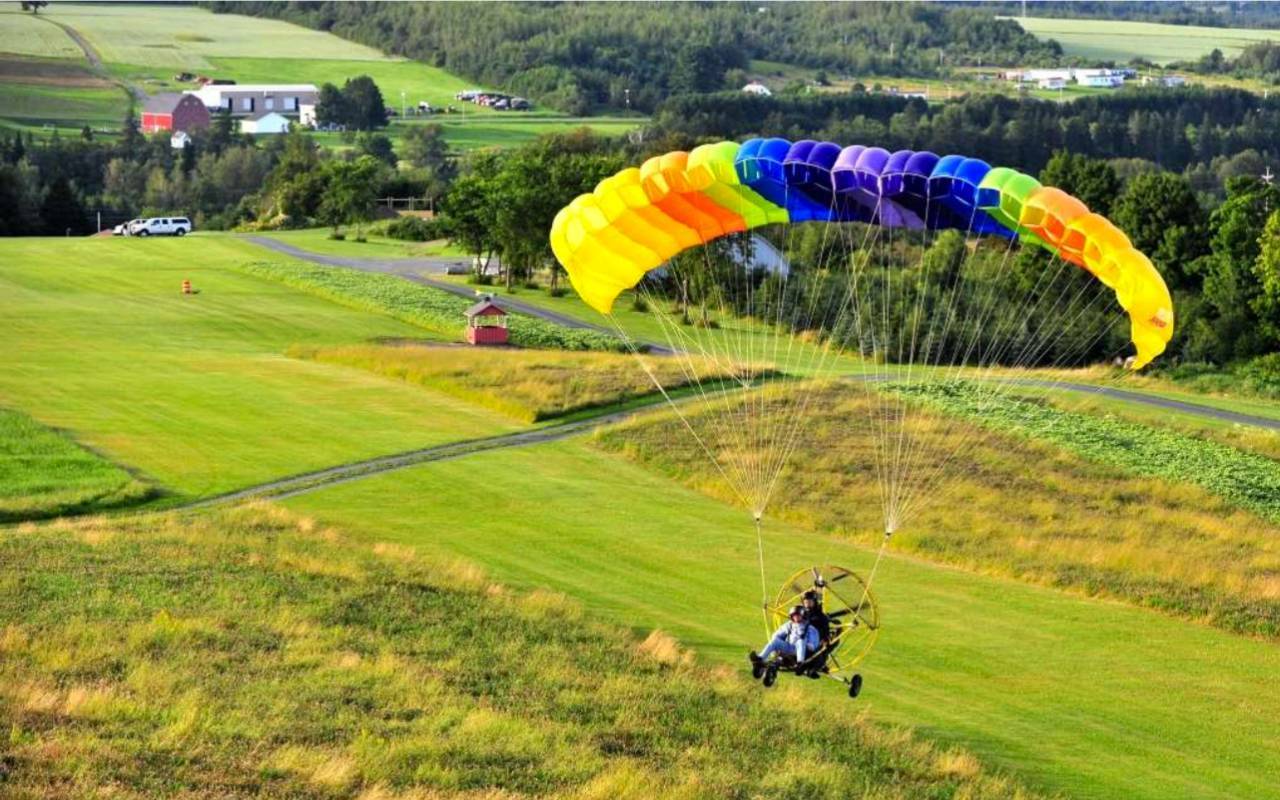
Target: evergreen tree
(61, 210)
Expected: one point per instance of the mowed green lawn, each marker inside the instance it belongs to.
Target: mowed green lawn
(1111, 40)
(196, 392)
(1082, 697)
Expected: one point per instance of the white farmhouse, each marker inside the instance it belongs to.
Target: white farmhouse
(757, 88)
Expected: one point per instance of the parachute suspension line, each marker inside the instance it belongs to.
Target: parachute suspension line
(674, 407)
(764, 585)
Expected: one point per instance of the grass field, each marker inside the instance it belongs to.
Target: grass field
(1084, 697)
(1112, 40)
(45, 474)
(27, 35)
(186, 37)
(254, 654)
(526, 385)
(196, 392)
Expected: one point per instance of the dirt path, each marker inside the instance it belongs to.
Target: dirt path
(95, 60)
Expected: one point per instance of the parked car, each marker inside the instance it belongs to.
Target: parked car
(126, 228)
(161, 226)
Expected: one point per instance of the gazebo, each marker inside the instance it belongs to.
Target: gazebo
(486, 322)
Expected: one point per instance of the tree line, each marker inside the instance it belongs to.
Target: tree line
(1211, 134)
(222, 179)
(580, 57)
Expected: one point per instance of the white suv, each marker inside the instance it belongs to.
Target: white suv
(161, 226)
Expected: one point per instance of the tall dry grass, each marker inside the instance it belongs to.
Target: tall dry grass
(528, 385)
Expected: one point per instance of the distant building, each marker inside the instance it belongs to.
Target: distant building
(1051, 83)
(265, 122)
(486, 322)
(1164, 80)
(757, 88)
(1101, 81)
(253, 99)
(173, 112)
(1037, 75)
(179, 140)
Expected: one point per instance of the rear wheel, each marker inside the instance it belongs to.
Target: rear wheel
(143, 233)
(180, 232)
(855, 685)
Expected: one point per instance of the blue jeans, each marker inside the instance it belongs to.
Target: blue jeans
(781, 646)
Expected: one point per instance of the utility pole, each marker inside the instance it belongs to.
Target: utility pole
(404, 109)
(1267, 176)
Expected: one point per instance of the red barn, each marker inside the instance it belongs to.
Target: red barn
(486, 323)
(174, 112)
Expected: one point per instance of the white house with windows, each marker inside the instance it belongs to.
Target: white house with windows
(265, 122)
(255, 99)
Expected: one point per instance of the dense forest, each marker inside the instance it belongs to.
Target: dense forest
(1193, 129)
(580, 57)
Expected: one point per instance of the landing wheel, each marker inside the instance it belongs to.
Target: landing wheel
(855, 684)
(770, 674)
(757, 670)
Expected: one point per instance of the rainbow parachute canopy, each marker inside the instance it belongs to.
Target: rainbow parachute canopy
(636, 220)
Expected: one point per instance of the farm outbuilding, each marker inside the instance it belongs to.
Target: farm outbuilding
(174, 112)
(266, 122)
(486, 322)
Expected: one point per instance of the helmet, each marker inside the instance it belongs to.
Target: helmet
(799, 610)
(812, 595)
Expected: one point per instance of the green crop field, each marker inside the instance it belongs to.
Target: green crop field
(186, 37)
(1111, 40)
(196, 392)
(27, 35)
(1084, 697)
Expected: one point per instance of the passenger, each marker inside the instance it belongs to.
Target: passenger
(795, 638)
(817, 617)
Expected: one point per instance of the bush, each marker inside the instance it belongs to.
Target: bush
(477, 279)
(338, 236)
(638, 304)
(557, 291)
(1262, 374)
(416, 229)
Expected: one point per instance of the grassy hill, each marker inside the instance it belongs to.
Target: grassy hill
(1112, 40)
(254, 654)
(1085, 697)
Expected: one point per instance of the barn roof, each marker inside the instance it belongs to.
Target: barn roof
(485, 307)
(162, 103)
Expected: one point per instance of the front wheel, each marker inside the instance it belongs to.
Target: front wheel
(757, 670)
(770, 675)
(143, 233)
(855, 685)
(180, 232)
